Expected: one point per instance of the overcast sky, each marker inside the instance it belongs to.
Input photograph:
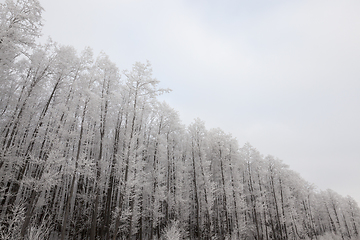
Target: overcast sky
(282, 75)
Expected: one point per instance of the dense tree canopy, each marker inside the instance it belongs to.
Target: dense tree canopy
(89, 152)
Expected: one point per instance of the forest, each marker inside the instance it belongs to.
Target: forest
(89, 152)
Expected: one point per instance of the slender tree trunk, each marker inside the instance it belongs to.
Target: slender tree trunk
(235, 200)
(207, 229)
(283, 208)
(196, 198)
(332, 225)
(71, 192)
(112, 184)
(103, 118)
(337, 218)
(279, 225)
(253, 201)
(127, 162)
(224, 198)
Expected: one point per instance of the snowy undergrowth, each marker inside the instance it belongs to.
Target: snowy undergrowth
(332, 236)
(172, 231)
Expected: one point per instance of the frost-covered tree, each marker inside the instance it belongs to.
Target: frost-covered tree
(20, 25)
(88, 152)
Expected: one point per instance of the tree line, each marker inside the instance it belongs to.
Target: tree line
(89, 152)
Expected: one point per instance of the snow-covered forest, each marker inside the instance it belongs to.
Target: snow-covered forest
(88, 152)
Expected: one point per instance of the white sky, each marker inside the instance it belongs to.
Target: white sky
(282, 75)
